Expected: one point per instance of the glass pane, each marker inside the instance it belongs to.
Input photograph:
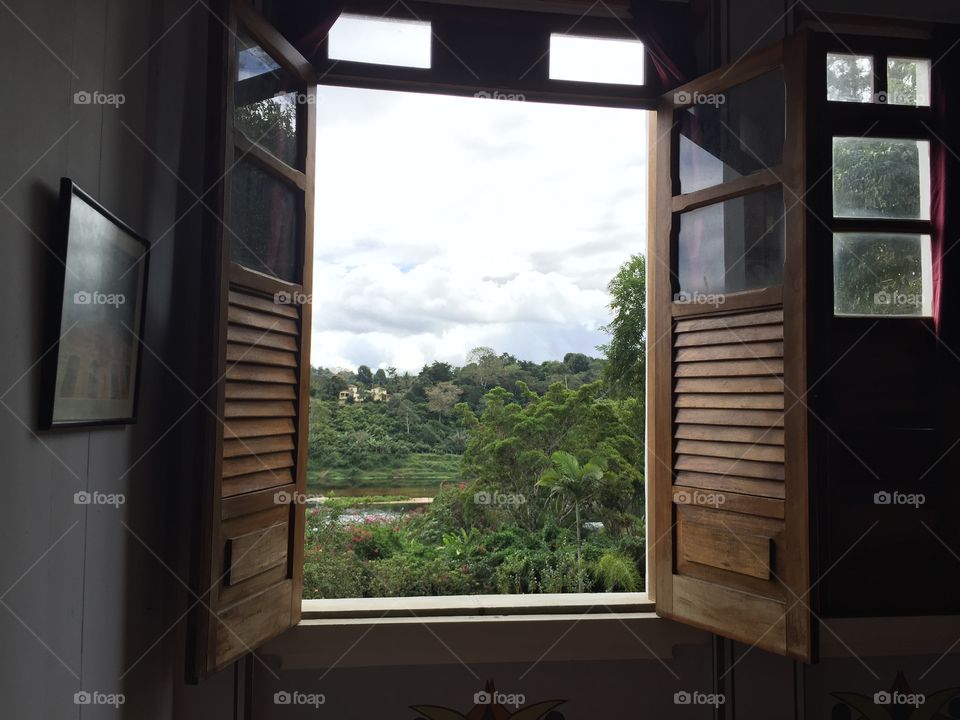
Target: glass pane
(599, 60)
(881, 178)
(724, 136)
(849, 78)
(382, 41)
(266, 101)
(908, 82)
(882, 274)
(264, 214)
(731, 246)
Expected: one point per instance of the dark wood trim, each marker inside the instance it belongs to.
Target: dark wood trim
(559, 91)
(761, 62)
(465, 28)
(269, 162)
(659, 358)
(274, 43)
(862, 26)
(220, 90)
(298, 526)
(653, 184)
(760, 180)
(879, 225)
(795, 575)
(261, 282)
(770, 297)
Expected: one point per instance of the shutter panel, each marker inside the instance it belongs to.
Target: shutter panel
(251, 555)
(728, 425)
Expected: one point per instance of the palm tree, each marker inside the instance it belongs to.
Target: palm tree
(574, 484)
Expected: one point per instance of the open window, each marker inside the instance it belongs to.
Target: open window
(250, 563)
(727, 359)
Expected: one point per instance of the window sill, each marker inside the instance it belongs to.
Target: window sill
(476, 630)
(477, 606)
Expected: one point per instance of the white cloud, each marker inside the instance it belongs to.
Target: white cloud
(446, 223)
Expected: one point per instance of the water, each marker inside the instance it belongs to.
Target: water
(418, 491)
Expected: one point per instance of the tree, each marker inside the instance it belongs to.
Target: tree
(576, 362)
(437, 372)
(484, 366)
(380, 377)
(627, 350)
(575, 485)
(365, 375)
(404, 409)
(442, 397)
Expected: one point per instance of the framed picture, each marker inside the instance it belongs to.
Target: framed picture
(94, 350)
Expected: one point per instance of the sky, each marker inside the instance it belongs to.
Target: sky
(446, 223)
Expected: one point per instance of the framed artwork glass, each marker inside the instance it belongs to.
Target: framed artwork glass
(94, 354)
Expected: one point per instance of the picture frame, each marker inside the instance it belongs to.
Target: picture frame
(94, 351)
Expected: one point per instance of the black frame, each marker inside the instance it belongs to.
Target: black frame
(69, 193)
(471, 32)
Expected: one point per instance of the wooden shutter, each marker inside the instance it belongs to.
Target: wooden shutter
(728, 427)
(251, 556)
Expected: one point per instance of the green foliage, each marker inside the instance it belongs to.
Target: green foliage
(539, 468)
(618, 572)
(625, 371)
(871, 174)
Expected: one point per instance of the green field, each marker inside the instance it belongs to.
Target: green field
(422, 470)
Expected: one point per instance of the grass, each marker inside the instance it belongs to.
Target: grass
(418, 470)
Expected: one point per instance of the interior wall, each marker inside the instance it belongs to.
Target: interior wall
(90, 595)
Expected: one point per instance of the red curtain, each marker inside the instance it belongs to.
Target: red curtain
(667, 30)
(945, 166)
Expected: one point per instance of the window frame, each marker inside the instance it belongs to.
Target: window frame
(862, 120)
(458, 29)
(447, 79)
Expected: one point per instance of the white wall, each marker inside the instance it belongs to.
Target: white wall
(91, 605)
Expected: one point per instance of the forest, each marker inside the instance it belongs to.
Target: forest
(517, 477)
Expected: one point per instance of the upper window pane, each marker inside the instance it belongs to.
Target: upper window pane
(881, 178)
(265, 100)
(731, 246)
(264, 213)
(724, 136)
(382, 41)
(849, 78)
(598, 60)
(908, 82)
(882, 274)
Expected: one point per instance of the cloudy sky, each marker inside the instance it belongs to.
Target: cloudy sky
(446, 223)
